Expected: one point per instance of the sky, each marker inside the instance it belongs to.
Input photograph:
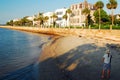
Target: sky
(12, 9)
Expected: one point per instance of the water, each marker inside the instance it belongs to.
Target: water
(19, 54)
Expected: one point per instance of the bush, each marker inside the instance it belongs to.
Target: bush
(105, 27)
(94, 27)
(116, 27)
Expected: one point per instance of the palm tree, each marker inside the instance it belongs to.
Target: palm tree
(65, 17)
(86, 11)
(24, 21)
(34, 19)
(46, 19)
(54, 16)
(11, 23)
(39, 18)
(69, 11)
(99, 5)
(112, 5)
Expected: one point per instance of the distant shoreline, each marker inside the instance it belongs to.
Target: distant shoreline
(112, 35)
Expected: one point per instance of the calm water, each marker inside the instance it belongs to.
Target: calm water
(19, 53)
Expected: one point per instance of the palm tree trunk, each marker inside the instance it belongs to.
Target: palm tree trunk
(86, 22)
(53, 23)
(69, 20)
(99, 20)
(112, 17)
(66, 23)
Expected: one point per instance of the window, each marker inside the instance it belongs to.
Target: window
(74, 13)
(76, 6)
(78, 20)
(80, 5)
(73, 21)
(59, 18)
(78, 12)
(59, 13)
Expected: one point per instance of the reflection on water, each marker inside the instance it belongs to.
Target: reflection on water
(19, 53)
(30, 72)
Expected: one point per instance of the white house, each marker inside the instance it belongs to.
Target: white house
(60, 13)
(14, 20)
(78, 18)
(31, 18)
(50, 20)
(117, 16)
(34, 22)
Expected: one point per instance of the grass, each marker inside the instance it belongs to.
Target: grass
(80, 27)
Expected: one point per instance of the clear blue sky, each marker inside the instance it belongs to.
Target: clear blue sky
(11, 9)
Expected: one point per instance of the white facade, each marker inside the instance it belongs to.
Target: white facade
(60, 13)
(50, 20)
(31, 18)
(78, 18)
(14, 20)
(117, 16)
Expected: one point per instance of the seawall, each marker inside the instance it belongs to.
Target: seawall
(112, 35)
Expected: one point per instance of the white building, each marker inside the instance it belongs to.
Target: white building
(59, 21)
(60, 13)
(78, 18)
(50, 20)
(34, 21)
(14, 20)
(31, 18)
(117, 16)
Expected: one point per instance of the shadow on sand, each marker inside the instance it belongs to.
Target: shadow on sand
(81, 63)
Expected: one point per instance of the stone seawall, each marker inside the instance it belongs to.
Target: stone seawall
(112, 35)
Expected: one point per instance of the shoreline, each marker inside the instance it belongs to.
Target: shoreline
(112, 36)
(73, 54)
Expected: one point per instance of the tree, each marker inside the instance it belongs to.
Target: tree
(46, 19)
(86, 11)
(10, 23)
(112, 5)
(103, 17)
(99, 5)
(65, 17)
(117, 22)
(54, 16)
(69, 11)
(25, 21)
(18, 23)
(39, 18)
(90, 21)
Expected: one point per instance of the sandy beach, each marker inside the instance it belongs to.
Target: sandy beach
(76, 58)
(112, 36)
(75, 54)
